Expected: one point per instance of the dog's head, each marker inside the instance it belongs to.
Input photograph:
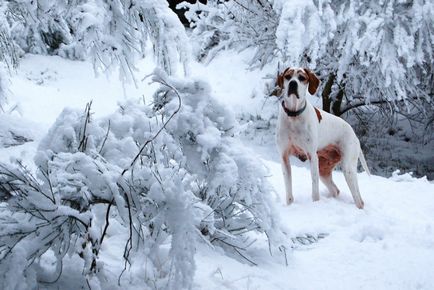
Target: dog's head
(293, 84)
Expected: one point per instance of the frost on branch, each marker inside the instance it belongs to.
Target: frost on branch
(171, 174)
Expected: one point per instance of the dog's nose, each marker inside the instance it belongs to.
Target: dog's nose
(292, 88)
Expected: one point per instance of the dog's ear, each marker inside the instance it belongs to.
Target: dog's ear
(278, 85)
(313, 81)
(280, 79)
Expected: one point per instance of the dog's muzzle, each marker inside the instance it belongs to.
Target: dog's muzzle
(292, 89)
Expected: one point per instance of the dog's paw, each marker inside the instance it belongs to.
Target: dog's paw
(360, 205)
(289, 200)
(335, 193)
(315, 197)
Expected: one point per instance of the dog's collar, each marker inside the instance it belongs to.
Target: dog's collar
(294, 113)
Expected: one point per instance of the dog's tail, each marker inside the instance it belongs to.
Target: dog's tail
(363, 162)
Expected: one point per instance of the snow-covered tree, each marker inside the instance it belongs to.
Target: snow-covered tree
(3, 88)
(233, 24)
(366, 52)
(379, 52)
(8, 55)
(112, 33)
(172, 175)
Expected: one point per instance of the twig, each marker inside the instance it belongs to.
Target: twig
(283, 249)
(161, 81)
(83, 141)
(105, 138)
(107, 222)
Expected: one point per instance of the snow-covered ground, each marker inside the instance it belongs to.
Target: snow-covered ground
(388, 245)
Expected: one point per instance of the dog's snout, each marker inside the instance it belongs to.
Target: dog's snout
(292, 88)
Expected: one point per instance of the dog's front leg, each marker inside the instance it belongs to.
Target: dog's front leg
(314, 171)
(286, 169)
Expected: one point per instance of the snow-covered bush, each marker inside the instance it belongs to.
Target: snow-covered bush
(169, 174)
(111, 33)
(228, 179)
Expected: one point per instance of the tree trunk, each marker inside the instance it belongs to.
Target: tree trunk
(326, 102)
(336, 108)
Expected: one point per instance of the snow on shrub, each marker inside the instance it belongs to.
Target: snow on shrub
(168, 173)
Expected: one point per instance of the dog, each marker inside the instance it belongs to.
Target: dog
(312, 134)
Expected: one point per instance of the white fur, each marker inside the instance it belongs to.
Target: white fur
(307, 133)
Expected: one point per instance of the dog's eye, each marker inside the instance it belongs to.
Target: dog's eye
(301, 78)
(288, 77)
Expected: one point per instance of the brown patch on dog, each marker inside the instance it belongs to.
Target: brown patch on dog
(318, 115)
(328, 158)
(303, 74)
(313, 81)
(288, 72)
(279, 80)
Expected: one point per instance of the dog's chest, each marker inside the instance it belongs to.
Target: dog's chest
(294, 132)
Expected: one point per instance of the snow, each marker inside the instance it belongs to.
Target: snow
(388, 245)
(44, 85)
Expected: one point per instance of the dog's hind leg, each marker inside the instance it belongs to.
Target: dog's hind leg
(331, 186)
(328, 158)
(351, 178)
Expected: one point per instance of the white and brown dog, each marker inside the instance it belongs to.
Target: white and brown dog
(309, 133)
